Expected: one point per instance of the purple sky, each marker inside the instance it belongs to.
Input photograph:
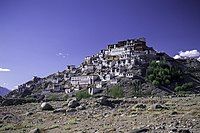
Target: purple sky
(34, 32)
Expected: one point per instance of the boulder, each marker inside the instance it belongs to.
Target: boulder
(73, 103)
(139, 130)
(46, 106)
(158, 106)
(71, 110)
(8, 117)
(36, 130)
(29, 113)
(184, 131)
(60, 110)
(140, 106)
(105, 102)
(174, 113)
(81, 107)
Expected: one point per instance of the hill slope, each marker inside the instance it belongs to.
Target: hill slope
(3, 91)
(133, 66)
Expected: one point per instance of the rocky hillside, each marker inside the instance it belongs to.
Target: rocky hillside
(130, 66)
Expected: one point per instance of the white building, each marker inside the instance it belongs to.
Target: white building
(83, 80)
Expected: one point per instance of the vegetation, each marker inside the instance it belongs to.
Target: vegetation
(52, 97)
(83, 94)
(116, 92)
(161, 73)
(137, 86)
(65, 97)
(56, 97)
(184, 87)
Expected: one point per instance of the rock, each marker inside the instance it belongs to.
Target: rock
(39, 97)
(25, 93)
(140, 105)
(174, 113)
(36, 130)
(71, 110)
(29, 113)
(157, 107)
(160, 127)
(73, 103)
(46, 106)
(81, 107)
(10, 101)
(184, 131)
(16, 101)
(139, 130)
(105, 102)
(1, 99)
(174, 130)
(7, 117)
(60, 110)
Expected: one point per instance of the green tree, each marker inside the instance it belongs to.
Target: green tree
(160, 73)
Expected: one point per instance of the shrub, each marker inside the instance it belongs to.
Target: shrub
(184, 87)
(137, 88)
(167, 81)
(116, 92)
(156, 82)
(178, 88)
(65, 97)
(83, 94)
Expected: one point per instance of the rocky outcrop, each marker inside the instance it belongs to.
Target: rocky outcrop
(46, 106)
(73, 103)
(16, 101)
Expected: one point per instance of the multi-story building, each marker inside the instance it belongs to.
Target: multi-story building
(83, 80)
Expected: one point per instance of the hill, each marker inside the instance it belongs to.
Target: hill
(129, 65)
(3, 91)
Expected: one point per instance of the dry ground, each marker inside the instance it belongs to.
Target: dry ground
(180, 113)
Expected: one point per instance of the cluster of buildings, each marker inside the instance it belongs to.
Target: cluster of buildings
(121, 60)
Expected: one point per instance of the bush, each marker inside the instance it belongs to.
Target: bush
(178, 88)
(167, 81)
(184, 87)
(65, 97)
(156, 82)
(83, 94)
(137, 88)
(116, 92)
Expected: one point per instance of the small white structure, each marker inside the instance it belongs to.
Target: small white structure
(129, 75)
(67, 91)
(121, 74)
(108, 77)
(93, 91)
(99, 84)
(113, 81)
(88, 68)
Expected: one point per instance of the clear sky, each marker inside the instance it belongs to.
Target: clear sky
(40, 37)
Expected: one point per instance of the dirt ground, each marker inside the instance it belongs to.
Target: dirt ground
(177, 114)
